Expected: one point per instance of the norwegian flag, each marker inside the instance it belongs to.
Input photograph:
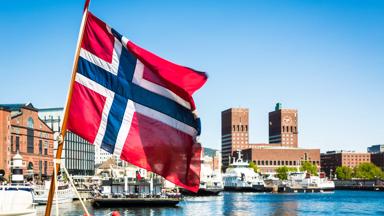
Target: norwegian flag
(136, 105)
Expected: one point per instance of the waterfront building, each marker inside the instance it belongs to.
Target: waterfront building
(283, 126)
(376, 148)
(282, 149)
(378, 159)
(23, 132)
(101, 156)
(78, 155)
(268, 159)
(211, 158)
(234, 132)
(332, 159)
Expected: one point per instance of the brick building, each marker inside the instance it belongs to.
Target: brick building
(282, 149)
(234, 132)
(21, 130)
(378, 159)
(332, 159)
(268, 159)
(283, 127)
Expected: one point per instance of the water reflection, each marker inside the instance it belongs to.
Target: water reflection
(244, 204)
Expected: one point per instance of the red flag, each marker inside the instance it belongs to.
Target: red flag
(137, 105)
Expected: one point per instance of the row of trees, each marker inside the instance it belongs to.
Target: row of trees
(367, 171)
(282, 172)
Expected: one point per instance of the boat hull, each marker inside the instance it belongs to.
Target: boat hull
(304, 190)
(202, 192)
(30, 212)
(125, 202)
(248, 189)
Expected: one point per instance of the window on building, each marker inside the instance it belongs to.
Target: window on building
(12, 149)
(30, 122)
(40, 147)
(266, 162)
(45, 151)
(40, 167)
(234, 128)
(238, 127)
(17, 143)
(246, 127)
(30, 140)
(30, 166)
(45, 167)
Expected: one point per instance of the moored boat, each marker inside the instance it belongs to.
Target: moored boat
(64, 192)
(303, 182)
(240, 177)
(17, 198)
(211, 183)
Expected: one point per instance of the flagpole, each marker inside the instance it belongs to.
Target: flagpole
(65, 118)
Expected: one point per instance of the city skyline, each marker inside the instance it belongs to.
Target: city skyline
(323, 58)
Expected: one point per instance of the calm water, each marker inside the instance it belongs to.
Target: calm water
(239, 204)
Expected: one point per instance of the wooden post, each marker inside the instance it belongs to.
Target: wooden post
(65, 118)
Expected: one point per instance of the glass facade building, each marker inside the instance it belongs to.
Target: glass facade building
(78, 154)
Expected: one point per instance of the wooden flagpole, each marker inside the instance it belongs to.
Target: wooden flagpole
(65, 118)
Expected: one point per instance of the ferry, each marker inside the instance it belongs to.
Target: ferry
(240, 177)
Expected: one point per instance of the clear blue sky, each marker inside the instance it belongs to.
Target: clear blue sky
(324, 58)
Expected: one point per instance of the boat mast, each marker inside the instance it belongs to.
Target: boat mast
(65, 118)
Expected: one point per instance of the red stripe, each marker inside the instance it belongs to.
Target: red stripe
(181, 80)
(97, 40)
(85, 112)
(164, 150)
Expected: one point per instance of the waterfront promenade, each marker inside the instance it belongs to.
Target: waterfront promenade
(242, 204)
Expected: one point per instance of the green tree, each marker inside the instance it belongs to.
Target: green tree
(282, 172)
(368, 171)
(254, 166)
(309, 167)
(344, 172)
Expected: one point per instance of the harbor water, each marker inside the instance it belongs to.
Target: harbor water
(243, 204)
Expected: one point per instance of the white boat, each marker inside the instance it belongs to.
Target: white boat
(240, 177)
(211, 183)
(65, 193)
(16, 200)
(305, 182)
